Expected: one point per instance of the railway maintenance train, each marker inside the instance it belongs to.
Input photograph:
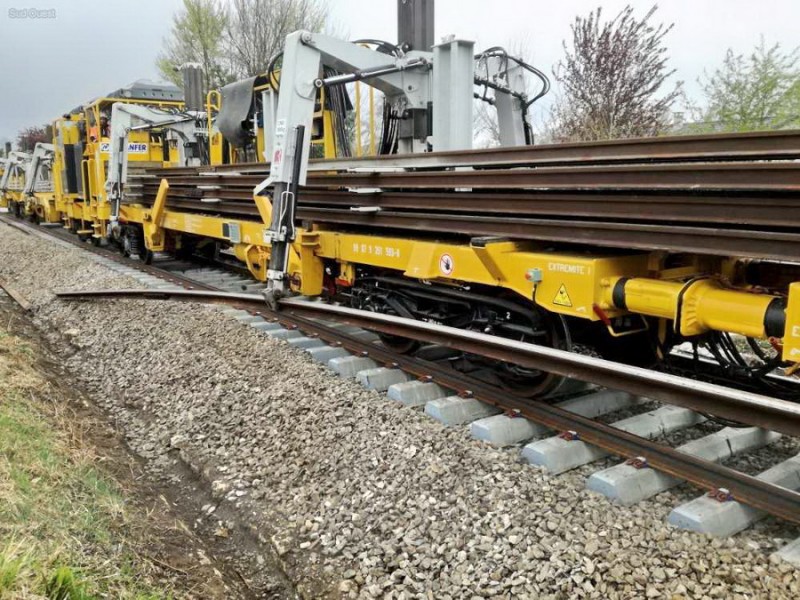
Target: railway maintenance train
(678, 253)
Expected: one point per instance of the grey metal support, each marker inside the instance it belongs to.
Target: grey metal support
(453, 76)
(510, 110)
(194, 89)
(415, 24)
(126, 118)
(17, 163)
(35, 170)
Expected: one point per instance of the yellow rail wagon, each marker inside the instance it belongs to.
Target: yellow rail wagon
(82, 148)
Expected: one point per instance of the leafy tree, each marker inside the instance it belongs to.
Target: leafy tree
(611, 79)
(235, 38)
(30, 136)
(256, 29)
(198, 35)
(759, 91)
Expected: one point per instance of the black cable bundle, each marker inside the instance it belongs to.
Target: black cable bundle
(389, 130)
(500, 52)
(338, 102)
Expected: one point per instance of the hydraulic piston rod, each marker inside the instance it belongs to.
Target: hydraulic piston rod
(369, 73)
(702, 305)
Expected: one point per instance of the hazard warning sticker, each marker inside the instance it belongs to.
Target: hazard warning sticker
(562, 297)
(446, 264)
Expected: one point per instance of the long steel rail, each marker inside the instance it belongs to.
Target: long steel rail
(703, 240)
(718, 237)
(739, 177)
(721, 195)
(771, 211)
(762, 145)
(15, 296)
(695, 177)
(752, 408)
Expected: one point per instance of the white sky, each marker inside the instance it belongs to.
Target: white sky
(48, 66)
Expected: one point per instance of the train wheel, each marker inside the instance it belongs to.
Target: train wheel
(125, 245)
(531, 383)
(133, 245)
(395, 343)
(472, 310)
(399, 344)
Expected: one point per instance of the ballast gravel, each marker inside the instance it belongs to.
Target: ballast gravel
(358, 496)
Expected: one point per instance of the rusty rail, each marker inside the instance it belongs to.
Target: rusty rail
(759, 145)
(711, 177)
(722, 195)
(767, 177)
(772, 211)
(16, 296)
(703, 240)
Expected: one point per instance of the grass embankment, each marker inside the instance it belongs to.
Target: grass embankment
(66, 530)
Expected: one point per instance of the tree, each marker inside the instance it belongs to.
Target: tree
(198, 35)
(760, 91)
(256, 29)
(611, 78)
(30, 136)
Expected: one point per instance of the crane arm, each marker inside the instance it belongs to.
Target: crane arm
(132, 117)
(42, 155)
(16, 161)
(402, 78)
(124, 119)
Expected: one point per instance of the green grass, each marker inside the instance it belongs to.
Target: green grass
(65, 526)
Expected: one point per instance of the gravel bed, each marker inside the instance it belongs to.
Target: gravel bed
(762, 459)
(358, 496)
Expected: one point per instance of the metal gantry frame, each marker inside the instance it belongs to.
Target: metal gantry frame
(437, 85)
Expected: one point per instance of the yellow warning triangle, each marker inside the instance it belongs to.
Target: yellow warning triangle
(562, 297)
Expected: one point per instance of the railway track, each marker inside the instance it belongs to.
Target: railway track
(569, 433)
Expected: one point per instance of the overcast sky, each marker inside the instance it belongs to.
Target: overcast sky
(50, 65)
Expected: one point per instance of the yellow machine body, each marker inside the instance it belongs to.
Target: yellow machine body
(43, 205)
(791, 339)
(14, 192)
(68, 196)
(80, 165)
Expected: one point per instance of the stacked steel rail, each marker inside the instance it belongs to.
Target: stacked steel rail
(725, 195)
